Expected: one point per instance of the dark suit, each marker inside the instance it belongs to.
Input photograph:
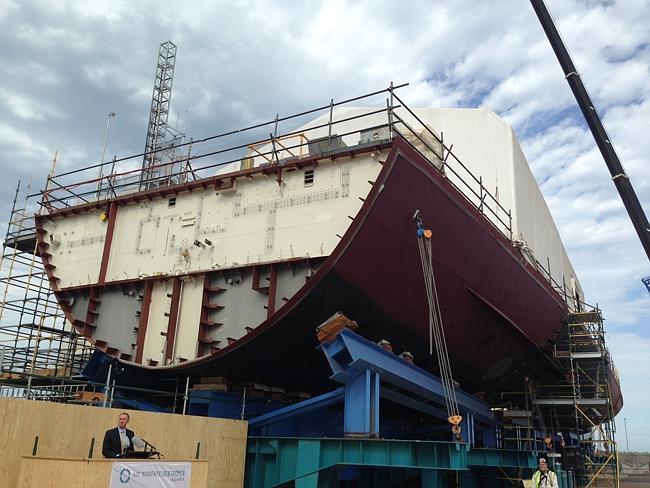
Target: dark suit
(112, 446)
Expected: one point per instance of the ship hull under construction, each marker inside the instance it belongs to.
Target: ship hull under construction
(500, 314)
(374, 276)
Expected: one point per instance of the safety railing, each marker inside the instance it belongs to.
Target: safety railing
(453, 168)
(51, 393)
(75, 390)
(245, 148)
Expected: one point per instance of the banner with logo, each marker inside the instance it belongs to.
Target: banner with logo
(150, 474)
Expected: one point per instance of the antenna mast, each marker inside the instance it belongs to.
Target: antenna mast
(158, 132)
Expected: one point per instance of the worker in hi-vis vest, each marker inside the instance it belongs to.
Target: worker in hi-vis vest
(543, 477)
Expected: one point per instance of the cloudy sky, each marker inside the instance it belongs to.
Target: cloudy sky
(66, 64)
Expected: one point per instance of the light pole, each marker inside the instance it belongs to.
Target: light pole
(101, 164)
(627, 444)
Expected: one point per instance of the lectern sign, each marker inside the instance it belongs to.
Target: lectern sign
(150, 474)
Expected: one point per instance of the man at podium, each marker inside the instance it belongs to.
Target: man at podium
(119, 440)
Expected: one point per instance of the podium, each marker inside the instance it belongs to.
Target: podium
(74, 472)
(59, 439)
(139, 455)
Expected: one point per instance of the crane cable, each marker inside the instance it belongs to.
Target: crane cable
(436, 330)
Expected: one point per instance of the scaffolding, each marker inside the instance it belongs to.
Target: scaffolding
(570, 420)
(585, 403)
(38, 347)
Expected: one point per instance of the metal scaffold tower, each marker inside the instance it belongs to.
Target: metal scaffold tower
(571, 420)
(39, 350)
(585, 404)
(160, 166)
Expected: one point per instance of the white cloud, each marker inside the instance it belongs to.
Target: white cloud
(112, 11)
(26, 108)
(6, 8)
(22, 145)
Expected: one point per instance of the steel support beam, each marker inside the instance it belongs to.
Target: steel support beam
(362, 366)
(300, 408)
(569, 401)
(350, 354)
(361, 414)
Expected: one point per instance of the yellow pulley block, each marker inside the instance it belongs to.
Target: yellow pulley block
(455, 419)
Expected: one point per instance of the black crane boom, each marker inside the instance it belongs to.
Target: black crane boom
(620, 178)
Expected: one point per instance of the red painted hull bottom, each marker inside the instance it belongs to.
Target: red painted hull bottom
(500, 315)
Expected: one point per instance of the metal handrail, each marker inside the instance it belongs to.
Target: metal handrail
(49, 201)
(488, 203)
(237, 131)
(447, 166)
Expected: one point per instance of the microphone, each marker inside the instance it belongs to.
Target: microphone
(147, 443)
(148, 450)
(138, 442)
(152, 449)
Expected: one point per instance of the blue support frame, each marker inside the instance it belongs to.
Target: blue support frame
(369, 373)
(362, 367)
(359, 363)
(350, 354)
(361, 413)
(467, 427)
(301, 408)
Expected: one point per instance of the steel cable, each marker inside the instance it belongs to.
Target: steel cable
(436, 329)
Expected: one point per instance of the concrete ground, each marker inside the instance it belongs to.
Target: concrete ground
(627, 482)
(636, 482)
